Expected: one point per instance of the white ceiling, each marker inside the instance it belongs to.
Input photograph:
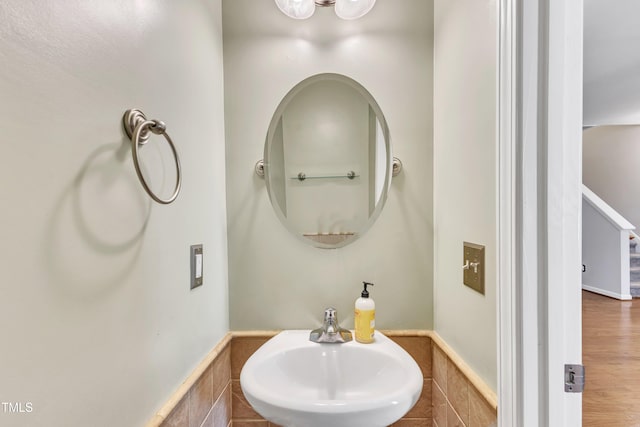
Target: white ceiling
(611, 62)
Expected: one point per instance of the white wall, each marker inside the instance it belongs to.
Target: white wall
(611, 62)
(610, 167)
(98, 324)
(277, 281)
(605, 248)
(465, 183)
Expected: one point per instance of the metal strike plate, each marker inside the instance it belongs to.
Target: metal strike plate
(573, 378)
(473, 266)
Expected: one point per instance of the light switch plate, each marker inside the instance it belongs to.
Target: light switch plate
(473, 262)
(196, 266)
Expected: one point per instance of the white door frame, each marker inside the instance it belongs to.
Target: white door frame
(540, 160)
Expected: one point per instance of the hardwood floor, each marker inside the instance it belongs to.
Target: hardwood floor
(611, 355)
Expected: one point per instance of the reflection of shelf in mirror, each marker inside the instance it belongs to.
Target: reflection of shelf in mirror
(330, 238)
(302, 176)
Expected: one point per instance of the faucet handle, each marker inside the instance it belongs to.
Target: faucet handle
(330, 332)
(330, 315)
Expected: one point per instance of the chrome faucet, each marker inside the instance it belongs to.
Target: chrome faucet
(330, 332)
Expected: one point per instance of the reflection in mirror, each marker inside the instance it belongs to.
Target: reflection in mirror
(328, 160)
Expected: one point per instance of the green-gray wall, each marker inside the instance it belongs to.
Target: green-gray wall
(275, 280)
(99, 326)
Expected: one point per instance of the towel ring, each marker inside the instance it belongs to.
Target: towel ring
(138, 129)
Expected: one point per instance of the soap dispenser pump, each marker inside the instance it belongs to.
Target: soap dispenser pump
(365, 316)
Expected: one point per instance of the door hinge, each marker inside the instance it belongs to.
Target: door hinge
(573, 378)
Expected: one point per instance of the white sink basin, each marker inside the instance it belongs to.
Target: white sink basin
(294, 382)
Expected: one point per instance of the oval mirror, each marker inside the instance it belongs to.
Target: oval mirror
(328, 160)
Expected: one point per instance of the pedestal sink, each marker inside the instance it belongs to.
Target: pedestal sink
(294, 382)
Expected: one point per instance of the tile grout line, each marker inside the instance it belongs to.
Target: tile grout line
(216, 401)
(454, 411)
(210, 413)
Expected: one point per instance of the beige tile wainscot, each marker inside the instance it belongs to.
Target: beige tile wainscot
(452, 394)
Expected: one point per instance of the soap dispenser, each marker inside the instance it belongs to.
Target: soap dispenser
(365, 316)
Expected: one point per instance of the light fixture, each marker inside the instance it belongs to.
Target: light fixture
(353, 9)
(345, 9)
(297, 9)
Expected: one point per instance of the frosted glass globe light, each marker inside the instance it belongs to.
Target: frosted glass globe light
(297, 9)
(353, 9)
